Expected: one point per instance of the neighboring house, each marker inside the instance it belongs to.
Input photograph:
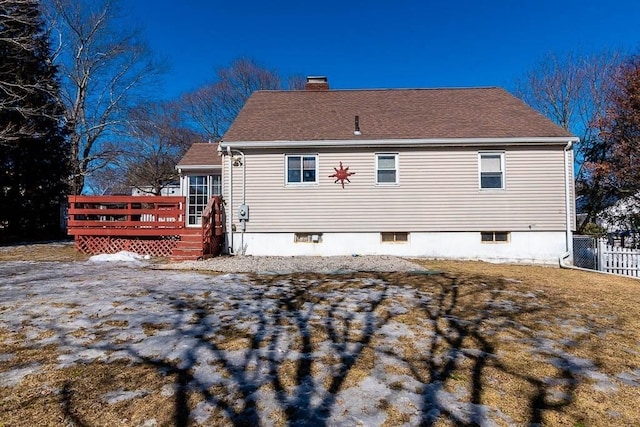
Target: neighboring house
(469, 173)
(622, 216)
(200, 178)
(172, 189)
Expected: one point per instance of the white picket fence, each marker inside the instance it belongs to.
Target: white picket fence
(617, 260)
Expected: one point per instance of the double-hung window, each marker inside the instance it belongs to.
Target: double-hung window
(491, 168)
(302, 169)
(386, 168)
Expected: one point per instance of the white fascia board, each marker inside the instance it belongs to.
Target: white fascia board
(198, 167)
(434, 142)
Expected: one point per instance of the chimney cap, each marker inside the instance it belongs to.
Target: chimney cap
(317, 79)
(317, 83)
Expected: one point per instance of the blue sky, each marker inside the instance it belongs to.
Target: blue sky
(380, 44)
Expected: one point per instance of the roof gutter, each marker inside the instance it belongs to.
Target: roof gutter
(428, 142)
(197, 167)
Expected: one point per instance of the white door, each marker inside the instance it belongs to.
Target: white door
(200, 189)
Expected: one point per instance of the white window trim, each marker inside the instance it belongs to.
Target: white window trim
(301, 183)
(502, 170)
(397, 169)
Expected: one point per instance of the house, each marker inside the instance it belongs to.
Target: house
(621, 221)
(469, 173)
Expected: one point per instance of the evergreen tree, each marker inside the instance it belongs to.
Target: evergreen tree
(33, 146)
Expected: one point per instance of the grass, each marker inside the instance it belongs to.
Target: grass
(62, 251)
(593, 317)
(607, 306)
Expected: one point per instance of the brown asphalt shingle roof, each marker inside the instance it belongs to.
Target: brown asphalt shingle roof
(388, 114)
(201, 154)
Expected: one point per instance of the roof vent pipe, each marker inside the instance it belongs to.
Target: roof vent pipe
(356, 130)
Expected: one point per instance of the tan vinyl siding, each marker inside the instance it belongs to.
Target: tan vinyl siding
(438, 190)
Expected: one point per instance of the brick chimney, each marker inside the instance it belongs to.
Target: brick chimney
(317, 83)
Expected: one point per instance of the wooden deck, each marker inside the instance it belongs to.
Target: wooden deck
(147, 225)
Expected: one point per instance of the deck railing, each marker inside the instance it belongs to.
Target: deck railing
(212, 227)
(126, 215)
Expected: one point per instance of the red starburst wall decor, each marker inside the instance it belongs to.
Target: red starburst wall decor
(341, 175)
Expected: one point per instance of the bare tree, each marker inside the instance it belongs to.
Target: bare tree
(213, 107)
(160, 139)
(104, 67)
(571, 90)
(201, 108)
(296, 82)
(108, 180)
(574, 91)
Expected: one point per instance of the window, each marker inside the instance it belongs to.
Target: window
(386, 168)
(307, 238)
(394, 237)
(494, 237)
(302, 169)
(215, 181)
(491, 167)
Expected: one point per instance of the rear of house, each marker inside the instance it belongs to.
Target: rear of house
(455, 173)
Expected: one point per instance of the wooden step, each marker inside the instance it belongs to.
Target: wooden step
(186, 254)
(191, 242)
(189, 245)
(183, 258)
(191, 238)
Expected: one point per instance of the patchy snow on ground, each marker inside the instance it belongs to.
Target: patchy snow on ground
(122, 395)
(15, 376)
(238, 333)
(122, 256)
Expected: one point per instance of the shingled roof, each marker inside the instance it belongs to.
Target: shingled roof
(388, 114)
(200, 155)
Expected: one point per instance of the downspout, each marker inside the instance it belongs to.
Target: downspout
(230, 211)
(568, 169)
(243, 224)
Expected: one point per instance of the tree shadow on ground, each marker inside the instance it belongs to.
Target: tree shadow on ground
(280, 352)
(469, 319)
(293, 343)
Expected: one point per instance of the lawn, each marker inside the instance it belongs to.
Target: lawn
(478, 344)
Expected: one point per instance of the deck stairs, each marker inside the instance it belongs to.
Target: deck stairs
(189, 247)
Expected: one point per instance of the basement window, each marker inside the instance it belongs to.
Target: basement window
(394, 237)
(494, 236)
(307, 238)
